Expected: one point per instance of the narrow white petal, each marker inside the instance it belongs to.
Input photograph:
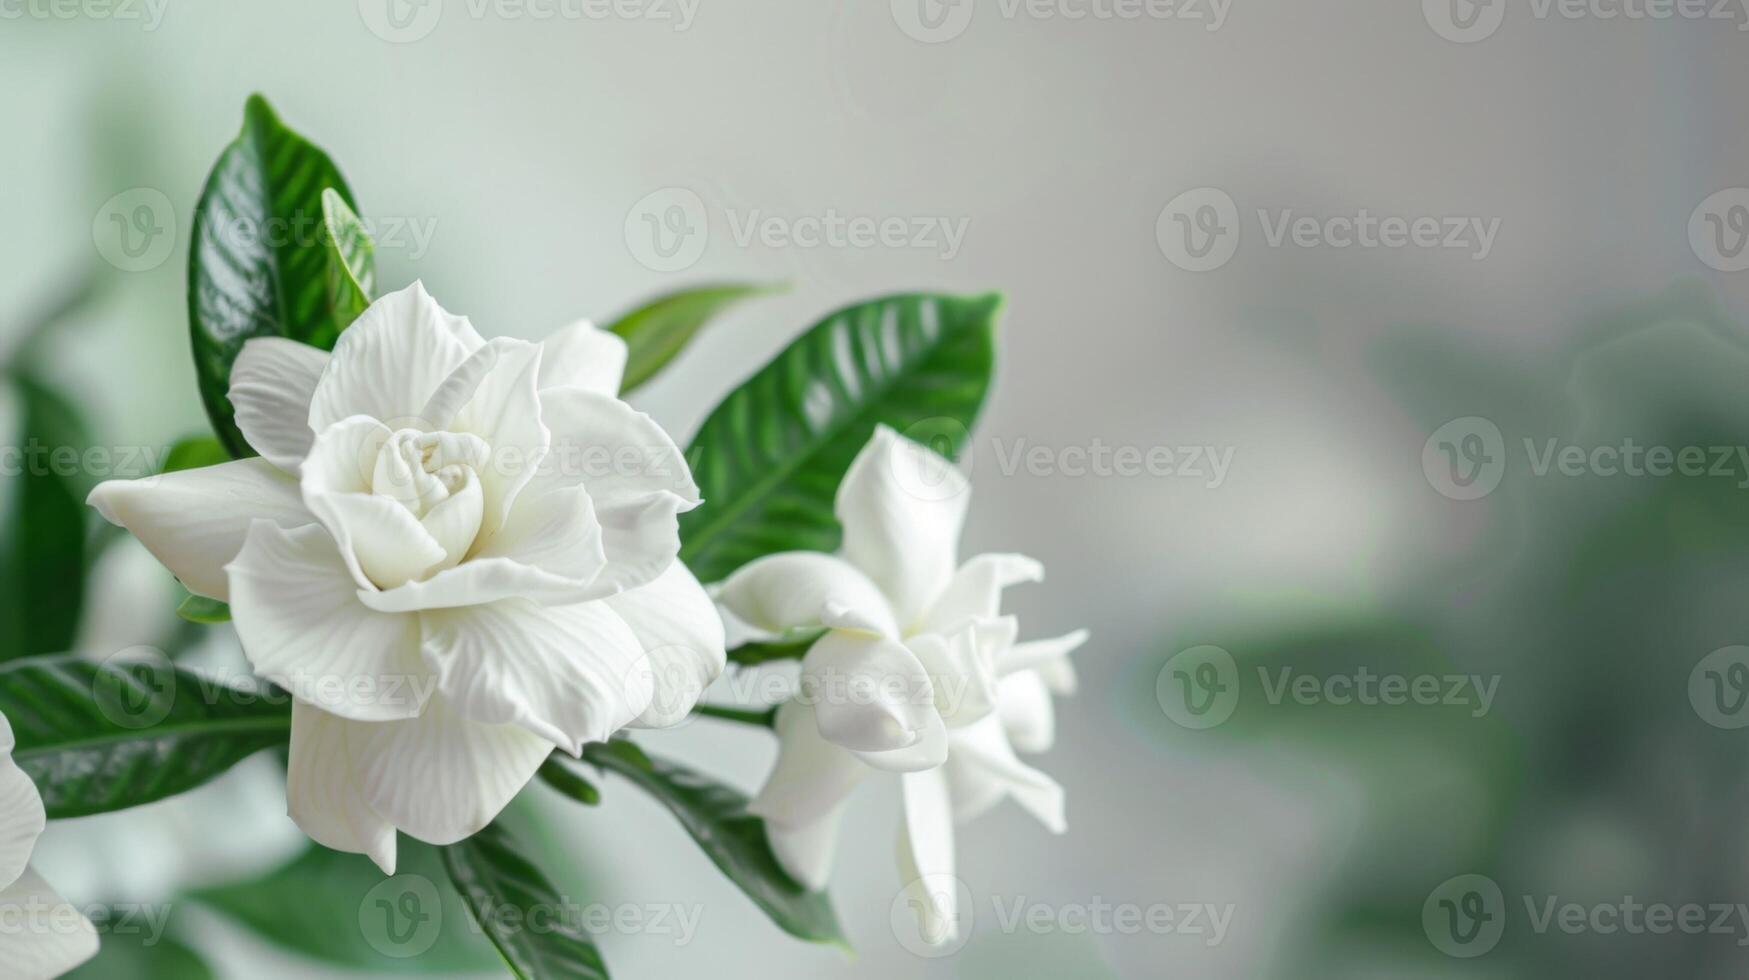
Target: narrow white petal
(440, 777)
(42, 936)
(900, 528)
(323, 792)
(793, 590)
(22, 817)
(297, 612)
(682, 634)
(982, 769)
(812, 776)
(390, 361)
(569, 674)
(194, 521)
(1043, 654)
(272, 383)
(585, 356)
(976, 590)
(870, 694)
(926, 854)
(1028, 717)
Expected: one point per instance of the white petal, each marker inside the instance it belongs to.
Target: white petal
(928, 752)
(983, 768)
(194, 521)
(926, 858)
(870, 694)
(381, 541)
(640, 539)
(43, 936)
(1044, 655)
(22, 817)
(323, 792)
(812, 776)
(388, 363)
(570, 674)
(682, 635)
(900, 529)
(962, 671)
(493, 396)
(477, 581)
(454, 523)
(297, 612)
(976, 590)
(585, 356)
(805, 852)
(1060, 676)
(793, 590)
(555, 531)
(272, 383)
(618, 452)
(440, 777)
(1028, 718)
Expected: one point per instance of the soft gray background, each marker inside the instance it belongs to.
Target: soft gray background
(525, 144)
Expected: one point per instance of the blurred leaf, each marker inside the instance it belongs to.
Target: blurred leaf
(313, 906)
(130, 955)
(352, 270)
(101, 737)
(658, 331)
(44, 554)
(501, 888)
(716, 817)
(203, 610)
(195, 452)
(561, 773)
(770, 456)
(257, 265)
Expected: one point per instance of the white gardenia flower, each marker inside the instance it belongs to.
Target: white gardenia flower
(455, 554)
(918, 674)
(41, 936)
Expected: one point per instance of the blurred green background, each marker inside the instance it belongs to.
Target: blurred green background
(519, 156)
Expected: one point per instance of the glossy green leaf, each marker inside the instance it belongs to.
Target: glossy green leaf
(658, 331)
(769, 457)
(43, 548)
(195, 452)
(101, 737)
(257, 262)
(564, 774)
(200, 609)
(503, 891)
(716, 817)
(352, 266)
(340, 909)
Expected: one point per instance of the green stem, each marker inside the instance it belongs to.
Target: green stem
(758, 717)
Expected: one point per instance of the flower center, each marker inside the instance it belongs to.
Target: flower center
(434, 475)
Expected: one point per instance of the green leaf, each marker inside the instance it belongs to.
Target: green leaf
(352, 266)
(205, 611)
(503, 890)
(43, 549)
(101, 737)
(257, 263)
(770, 456)
(130, 952)
(323, 904)
(195, 452)
(716, 817)
(658, 331)
(561, 773)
